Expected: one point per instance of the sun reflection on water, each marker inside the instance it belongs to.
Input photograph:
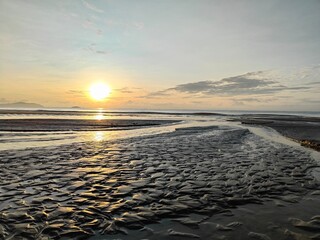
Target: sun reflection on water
(99, 116)
(99, 136)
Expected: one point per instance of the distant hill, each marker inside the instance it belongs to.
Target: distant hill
(21, 105)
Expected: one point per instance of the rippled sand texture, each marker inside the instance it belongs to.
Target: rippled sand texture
(85, 189)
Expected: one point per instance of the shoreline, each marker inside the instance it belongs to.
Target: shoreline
(53, 125)
(94, 112)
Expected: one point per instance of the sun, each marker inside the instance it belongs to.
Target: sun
(99, 91)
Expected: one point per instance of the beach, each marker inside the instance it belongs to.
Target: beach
(177, 177)
(159, 120)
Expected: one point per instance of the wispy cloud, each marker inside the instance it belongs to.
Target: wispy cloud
(92, 48)
(158, 94)
(101, 52)
(257, 99)
(313, 83)
(313, 101)
(76, 93)
(124, 90)
(92, 7)
(127, 90)
(138, 25)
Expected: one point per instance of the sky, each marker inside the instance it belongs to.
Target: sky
(168, 54)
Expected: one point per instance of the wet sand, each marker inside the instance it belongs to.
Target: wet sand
(305, 130)
(50, 125)
(205, 183)
(271, 220)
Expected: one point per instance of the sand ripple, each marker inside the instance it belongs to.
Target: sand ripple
(82, 189)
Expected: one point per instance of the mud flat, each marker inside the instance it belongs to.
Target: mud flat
(202, 183)
(49, 125)
(305, 130)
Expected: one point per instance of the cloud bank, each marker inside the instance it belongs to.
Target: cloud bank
(247, 84)
(252, 83)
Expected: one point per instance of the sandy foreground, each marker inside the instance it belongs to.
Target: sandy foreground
(194, 183)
